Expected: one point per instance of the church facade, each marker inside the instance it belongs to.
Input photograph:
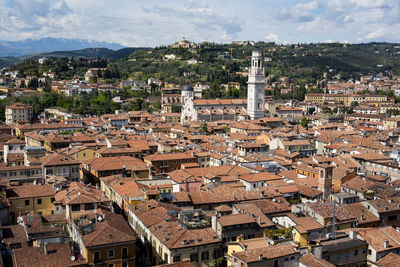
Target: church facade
(228, 109)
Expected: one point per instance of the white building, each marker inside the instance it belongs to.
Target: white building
(18, 112)
(256, 87)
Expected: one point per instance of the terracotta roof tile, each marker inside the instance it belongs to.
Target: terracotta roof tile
(58, 255)
(271, 252)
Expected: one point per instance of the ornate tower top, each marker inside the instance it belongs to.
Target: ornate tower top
(256, 67)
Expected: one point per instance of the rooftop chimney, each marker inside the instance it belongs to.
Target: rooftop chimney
(124, 171)
(352, 234)
(386, 243)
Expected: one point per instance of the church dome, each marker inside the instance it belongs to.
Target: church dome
(187, 87)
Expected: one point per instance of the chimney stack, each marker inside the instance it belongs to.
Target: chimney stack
(352, 234)
(386, 243)
(124, 171)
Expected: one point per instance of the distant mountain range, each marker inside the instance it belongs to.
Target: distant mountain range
(15, 52)
(31, 46)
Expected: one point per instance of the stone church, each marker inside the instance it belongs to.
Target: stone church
(229, 109)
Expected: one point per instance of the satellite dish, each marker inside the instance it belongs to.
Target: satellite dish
(72, 258)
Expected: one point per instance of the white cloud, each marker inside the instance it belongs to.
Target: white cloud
(152, 22)
(299, 12)
(272, 37)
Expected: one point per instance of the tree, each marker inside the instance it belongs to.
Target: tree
(226, 129)
(176, 109)
(354, 104)
(304, 122)
(203, 128)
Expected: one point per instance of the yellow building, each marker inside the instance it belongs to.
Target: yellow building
(30, 199)
(105, 239)
(347, 99)
(241, 245)
(78, 199)
(318, 98)
(306, 229)
(125, 192)
(391, 123)
(79, 153)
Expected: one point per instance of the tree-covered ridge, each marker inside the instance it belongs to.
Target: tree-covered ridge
(303, 65)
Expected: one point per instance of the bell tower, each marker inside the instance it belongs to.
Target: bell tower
(256, 87)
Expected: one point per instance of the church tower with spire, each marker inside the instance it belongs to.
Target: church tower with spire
(256, 87)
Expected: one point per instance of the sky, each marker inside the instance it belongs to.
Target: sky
(162, 22)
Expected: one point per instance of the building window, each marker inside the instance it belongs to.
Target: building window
(39, 201)
(27, 202)
(217, 254)
(392, 218)
(110, 265)
(276, 263)
(356, 252)
(124, 264)
(124, 252)
(89, 206)
(369, 252)
(204, 255)
(96, 256)
(110, 253)
(76, 207)
(177, 258)
(193, 257)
